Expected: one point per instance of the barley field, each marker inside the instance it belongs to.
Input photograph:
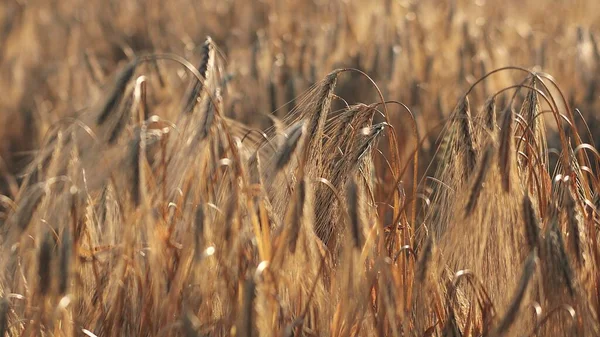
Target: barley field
(299, 168)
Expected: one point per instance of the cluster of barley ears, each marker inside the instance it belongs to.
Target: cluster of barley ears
(173, 204)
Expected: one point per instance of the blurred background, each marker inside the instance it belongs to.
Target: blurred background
(57, 58)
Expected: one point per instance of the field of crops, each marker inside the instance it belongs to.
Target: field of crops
(299, 168)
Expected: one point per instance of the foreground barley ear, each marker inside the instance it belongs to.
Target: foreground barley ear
(117, 91)
(532, 229)
(354, 210)
(489, 114)
(484, 167)
(463, 113)
(289, 146)
(316, 122)
(206, 64)
(44, 263)
(513, 309)
(505, 154)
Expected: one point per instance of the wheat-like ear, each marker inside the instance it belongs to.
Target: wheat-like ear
(45, 263)
(506, 152)
(65, 261)
(117, 92)
(27, 207)
(532, 229)
(207, 62)
(316, 122)
(354, 210)
(489, 114)
(463, 113)
(484, 167)
(513, 309)
(424, 260)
